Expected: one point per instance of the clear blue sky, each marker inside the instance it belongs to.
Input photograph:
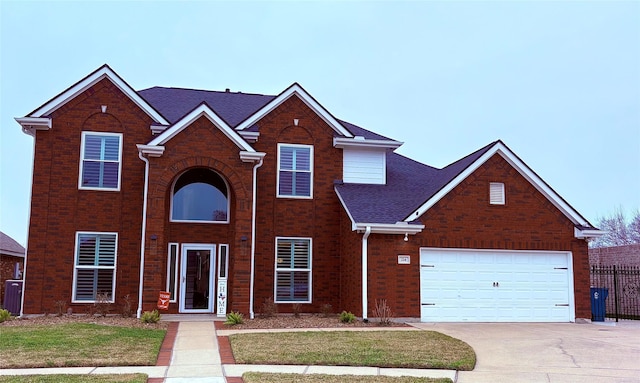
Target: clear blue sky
(558, 82)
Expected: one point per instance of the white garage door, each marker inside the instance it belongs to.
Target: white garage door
(458, 285)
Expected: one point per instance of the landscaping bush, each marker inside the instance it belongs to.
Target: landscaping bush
(326, 310)
(347, 317)
(150, 316)
(234, 318)
(382, 311)
(5, 315)
(269, 308)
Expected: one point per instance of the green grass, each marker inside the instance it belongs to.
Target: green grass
(255, 377)
(78, 344)
(402, 349)
(124, 378)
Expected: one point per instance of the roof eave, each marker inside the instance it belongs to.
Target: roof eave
(150, 150)
(31, 124)
(246, 156)
(588, 233)
(359, 142)
(389, 228)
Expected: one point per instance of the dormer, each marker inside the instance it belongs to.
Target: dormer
(364, 161)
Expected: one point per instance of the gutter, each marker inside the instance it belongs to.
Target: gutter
(365, 269)
(26, 248)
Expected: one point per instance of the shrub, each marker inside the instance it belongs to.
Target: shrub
(382, 311)
(5, 315)
(296, 307)
(269, 308)
(234, 318)
(126, 307)
(60, 307)
(347, 317)
(102, 305)
(326, 310)
(150, 317)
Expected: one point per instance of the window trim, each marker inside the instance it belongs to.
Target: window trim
(497, 194)
(176, 267)
(221, 275)
(76, 267)
(82, 149)
(310, 196)
(308, 270)
(173, 186)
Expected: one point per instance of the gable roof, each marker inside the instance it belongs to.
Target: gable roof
(412, 188)
(99, 74)
(199, 111)
(8, 246)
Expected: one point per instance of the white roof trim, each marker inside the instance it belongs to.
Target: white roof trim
(89, 81)
(251, 156)
(360, 142)
(588, 233)
(522, 168)
(202, 110)
(150, 150)
(389, 228)
(296, 90)
(31, 124)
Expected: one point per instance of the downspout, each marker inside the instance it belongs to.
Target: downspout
(26, 247)
(144, 229)
(253, 235)
(365, 268)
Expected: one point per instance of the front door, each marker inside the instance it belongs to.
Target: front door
(196, 278)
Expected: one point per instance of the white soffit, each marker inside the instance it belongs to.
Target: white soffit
(103, 72)
(521, 167)
(296, 90)
(202, 110)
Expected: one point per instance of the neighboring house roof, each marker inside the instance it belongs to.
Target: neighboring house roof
(8, 246)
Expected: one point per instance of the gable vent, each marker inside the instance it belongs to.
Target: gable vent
(496, 193)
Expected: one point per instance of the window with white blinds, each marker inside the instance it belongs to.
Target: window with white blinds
(100, 160)
(95, 266)
(293, 270)
(496, 193)
(295, 171)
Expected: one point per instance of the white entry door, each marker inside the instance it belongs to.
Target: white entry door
(197, 278)
(458, 285)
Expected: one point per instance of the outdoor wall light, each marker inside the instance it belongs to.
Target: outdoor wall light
(406, 237)
(154, 237)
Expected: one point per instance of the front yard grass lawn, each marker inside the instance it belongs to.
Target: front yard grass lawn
(111, 378)
(258, 377)
(400, 349)
(78, 345)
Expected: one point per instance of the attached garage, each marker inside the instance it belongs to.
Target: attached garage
(474, 285)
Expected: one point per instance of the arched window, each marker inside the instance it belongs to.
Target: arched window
(200, 195)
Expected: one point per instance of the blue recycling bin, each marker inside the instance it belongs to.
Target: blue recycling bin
(598, 307)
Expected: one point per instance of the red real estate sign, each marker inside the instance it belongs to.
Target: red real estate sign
(163, 300)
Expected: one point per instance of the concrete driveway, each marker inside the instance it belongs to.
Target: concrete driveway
(554, 352)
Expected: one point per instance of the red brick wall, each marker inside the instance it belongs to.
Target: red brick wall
(465, 219)
(59, 209)
(316, 218)
(350, 267)
(628, 255)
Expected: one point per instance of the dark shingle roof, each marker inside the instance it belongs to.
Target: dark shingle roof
(9, 246)
(409, 185)
(175, 103)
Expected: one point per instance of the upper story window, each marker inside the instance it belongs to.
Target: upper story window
(295, 171)
(496, 193)
(200, 195)
(100, 161)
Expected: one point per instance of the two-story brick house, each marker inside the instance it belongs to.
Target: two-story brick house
(228, 199)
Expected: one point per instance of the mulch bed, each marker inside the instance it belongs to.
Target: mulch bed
(303, 321)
